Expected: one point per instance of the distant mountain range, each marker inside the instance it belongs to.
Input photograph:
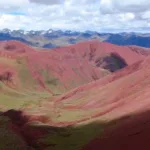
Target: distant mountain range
(58, 38)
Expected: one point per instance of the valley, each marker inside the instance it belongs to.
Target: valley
(50, 100)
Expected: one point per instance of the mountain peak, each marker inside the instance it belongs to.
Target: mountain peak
(58, 38)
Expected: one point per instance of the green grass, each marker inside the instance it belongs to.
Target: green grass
(13, 99)
(52, 82)
(26, 79)
(27, 96)
(71, 138)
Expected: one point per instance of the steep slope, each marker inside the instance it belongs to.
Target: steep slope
(124, 95)
(100, 113)
(84, 62)
(31, 80)
(62, 69)
(33, 75)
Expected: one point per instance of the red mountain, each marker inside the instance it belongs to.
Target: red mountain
(103, 96)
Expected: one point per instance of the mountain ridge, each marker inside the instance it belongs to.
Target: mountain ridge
(50, 98)
(58, 38)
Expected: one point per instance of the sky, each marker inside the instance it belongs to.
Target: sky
(78, 15)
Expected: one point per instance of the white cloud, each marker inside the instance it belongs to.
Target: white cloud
(12, 5)
(146, 15)
(116, 6)
(99, 15)
(49, 2)
(13, 22)
(14, 2)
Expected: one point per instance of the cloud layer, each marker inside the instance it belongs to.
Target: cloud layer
(46, 2)
(97, 15)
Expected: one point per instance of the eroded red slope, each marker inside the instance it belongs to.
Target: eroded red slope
(112, 90)
(120, 100)
(79, 64)
(125, 92)
(124, 95)
(62, 69)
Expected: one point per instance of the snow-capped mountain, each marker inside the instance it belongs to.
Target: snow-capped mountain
(56, 38)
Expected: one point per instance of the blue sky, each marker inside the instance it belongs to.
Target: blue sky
(17, 13)
(95, 15)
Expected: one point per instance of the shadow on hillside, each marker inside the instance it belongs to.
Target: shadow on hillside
(129, 132)
(111, 62)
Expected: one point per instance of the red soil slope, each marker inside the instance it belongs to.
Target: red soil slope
(107, 98)
(62, 69)
(124, 95)
(120, 100)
